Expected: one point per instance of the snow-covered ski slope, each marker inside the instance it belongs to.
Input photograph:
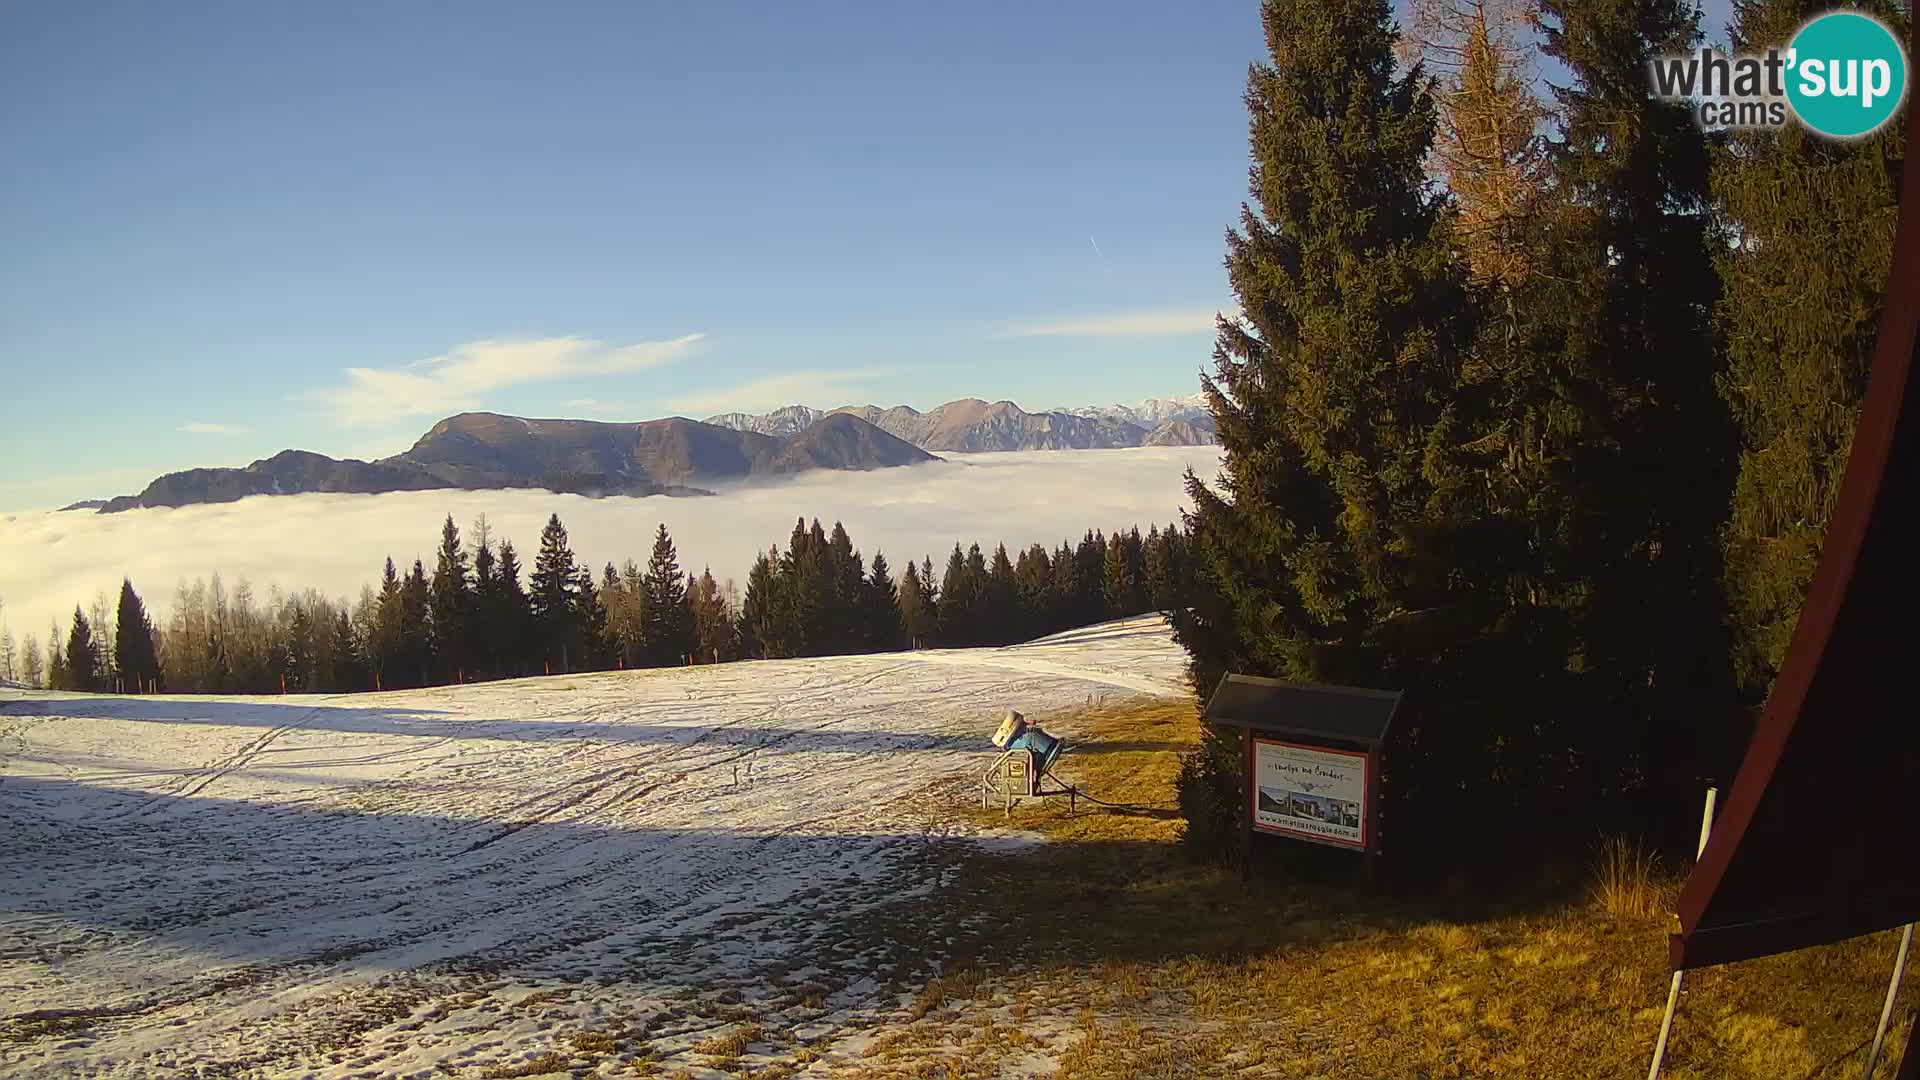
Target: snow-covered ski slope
(403, 883)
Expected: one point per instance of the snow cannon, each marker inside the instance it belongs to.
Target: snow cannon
(1029, 753)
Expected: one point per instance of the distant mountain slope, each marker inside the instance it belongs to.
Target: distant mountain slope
(487, 450)
(842, 441)
(971, 425)
(1196, 432)
(788, 421)
(1153, 412)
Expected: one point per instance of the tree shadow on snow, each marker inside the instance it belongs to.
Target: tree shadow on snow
(603, 720)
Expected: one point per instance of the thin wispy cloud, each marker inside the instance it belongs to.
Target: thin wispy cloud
(823, 389)
(198, 428)
(1128, 324)
(460, 378)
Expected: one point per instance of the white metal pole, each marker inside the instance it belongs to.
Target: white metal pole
(1673, 988)
(1893, 991)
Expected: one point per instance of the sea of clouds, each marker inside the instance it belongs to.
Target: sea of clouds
(51, 561)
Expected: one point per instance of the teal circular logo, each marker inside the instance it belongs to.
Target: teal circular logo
(1847, 74)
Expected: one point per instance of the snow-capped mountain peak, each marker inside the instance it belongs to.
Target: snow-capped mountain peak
(1152, 412)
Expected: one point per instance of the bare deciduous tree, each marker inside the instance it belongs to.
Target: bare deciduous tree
(32, 671)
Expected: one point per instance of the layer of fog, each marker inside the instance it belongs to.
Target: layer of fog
(50, 561)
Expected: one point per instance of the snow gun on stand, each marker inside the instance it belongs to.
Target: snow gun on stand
(1025, 765)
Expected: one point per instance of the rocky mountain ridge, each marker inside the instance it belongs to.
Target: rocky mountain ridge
(477, 451)
(971, 425)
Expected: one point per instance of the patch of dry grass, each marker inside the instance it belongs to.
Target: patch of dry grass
(52, 1027)
(545, 1063)
(963, 984)
(1167, 968)
(730, 1046)
(595, 1042)
(1627, 880)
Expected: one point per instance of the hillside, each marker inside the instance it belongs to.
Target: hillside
(476, 877)
(487, 450)
(780, 869)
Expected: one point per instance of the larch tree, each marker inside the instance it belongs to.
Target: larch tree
(56, 660)
(100, 614)
(1488, 147)
(626, 623)
(713, 619)
(32, 670)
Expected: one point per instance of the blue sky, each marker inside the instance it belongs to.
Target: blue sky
(230, 229)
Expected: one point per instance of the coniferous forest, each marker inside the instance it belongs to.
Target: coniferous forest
(1535, 408)
(480, 612)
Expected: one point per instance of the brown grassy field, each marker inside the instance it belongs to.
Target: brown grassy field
(1131, 961)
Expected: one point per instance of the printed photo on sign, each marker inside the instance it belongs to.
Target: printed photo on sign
(1309, 792)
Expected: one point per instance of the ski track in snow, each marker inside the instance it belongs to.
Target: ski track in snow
(404, 883)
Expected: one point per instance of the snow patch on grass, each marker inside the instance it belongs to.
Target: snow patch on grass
(587, 872)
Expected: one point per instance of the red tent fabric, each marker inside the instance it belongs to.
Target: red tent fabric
(1819, 838)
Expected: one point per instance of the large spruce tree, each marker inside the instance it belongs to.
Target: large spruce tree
(510, 616)
(133, 649)
(760, 630)
(450, 609)
(1323, 553)
(959, 602)
(1330, 388)
(82, 662)
(552, 600)
(880, 608)
(1814, 221)
(1641, 471)
(415, 628)
(483, 628)
(669, 622)
(597, 650)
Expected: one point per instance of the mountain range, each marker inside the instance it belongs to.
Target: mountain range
(486, 450)
(674, 456)
(971, 425)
